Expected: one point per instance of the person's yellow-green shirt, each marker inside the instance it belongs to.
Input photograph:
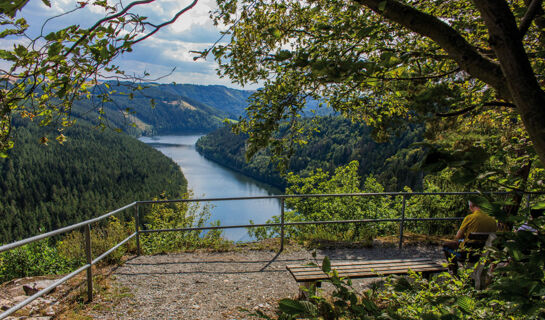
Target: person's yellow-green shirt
(478, 221)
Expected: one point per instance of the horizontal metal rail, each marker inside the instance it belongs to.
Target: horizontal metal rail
(371, 194)
(297, 223)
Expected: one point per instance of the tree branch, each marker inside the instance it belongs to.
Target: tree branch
(159, 26)
(455, 113)
(433, 76)
(101, 21)
(486, 104)
(529, 16)
(499, 104)
(466, 55)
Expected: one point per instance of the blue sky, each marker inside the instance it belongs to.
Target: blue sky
(167, 49)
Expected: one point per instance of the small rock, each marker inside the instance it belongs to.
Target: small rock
(16, 300)
(32, 288)
(49, 311)
(16, 291)
(29, 290)
(196, 306)
(4, 304)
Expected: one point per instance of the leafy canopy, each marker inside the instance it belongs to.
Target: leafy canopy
(388, 63)
(46, 73)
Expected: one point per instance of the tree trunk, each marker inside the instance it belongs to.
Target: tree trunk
(525, 91)
(514, 79)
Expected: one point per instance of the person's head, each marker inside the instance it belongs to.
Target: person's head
(472, 206)
(536, 213)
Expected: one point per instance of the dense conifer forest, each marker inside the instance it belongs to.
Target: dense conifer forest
(44, 187)
(336, 142)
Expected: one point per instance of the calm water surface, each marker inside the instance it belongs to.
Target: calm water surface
(211, 180)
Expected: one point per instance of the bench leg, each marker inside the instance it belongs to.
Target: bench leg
(480, 276)
(306, 287)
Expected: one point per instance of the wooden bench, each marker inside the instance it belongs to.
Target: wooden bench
(308, 275)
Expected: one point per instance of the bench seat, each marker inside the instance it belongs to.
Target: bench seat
(366, 269)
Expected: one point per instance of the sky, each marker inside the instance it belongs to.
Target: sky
(167, 49)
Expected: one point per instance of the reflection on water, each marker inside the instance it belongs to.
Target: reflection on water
(211, 180)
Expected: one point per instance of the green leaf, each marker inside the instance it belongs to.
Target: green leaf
(326, 265)
(275, 32)
(7, 55)
(369, 305)
(283, 55)
(309, 307)
(382, 6)
(291, 307)
(51, 36)
(47, 3)
(463, 176)
(466, 304)
(54, 49)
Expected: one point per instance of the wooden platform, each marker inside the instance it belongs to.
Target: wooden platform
(366, 269)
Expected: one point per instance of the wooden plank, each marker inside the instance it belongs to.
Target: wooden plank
(367, 262)
(366, 275)
(360, 265)
(376, 270)
(368, 269)
(364, 269)
(369, 274)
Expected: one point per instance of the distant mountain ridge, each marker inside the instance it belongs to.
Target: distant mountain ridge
(231, 101)
(164, 108)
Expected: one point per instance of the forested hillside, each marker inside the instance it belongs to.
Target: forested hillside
(49, 186)
(231, 101)
(337, 142)
(164, 108)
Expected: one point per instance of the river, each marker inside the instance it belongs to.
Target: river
(208, 179)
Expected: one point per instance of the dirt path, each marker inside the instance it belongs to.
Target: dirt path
(217, 285)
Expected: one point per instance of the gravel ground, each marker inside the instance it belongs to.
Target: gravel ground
(216, 285)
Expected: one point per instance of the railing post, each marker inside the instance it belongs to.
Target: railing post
(281, 224)
(402, 222)
(89, 262)
(137, 228)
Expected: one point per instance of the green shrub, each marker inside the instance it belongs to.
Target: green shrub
(441, 298)
(34, 259)
(177, 216)
(344, 180)
(102, 239)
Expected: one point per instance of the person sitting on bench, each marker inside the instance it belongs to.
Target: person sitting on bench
(476, 221)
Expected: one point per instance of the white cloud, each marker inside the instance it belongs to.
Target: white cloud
(182, 75)
(169, 48)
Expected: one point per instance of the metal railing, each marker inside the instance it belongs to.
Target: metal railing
(86, 225)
